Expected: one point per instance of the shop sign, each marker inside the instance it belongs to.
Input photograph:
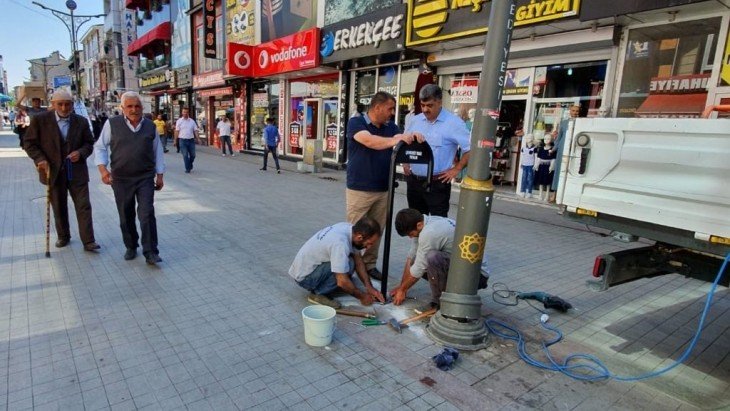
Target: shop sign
(295, 131)
(206, 80)
(342, 104)
(130, 34)
(182, 77)
(323, 89)
(331, 137)
(437, 20)
(209, 29)
(373, 34)
(225, 91)
(598, 9)
(172, 75)
(240, 20)
(464, 91)
(153, 80)
(240, 59)
(298, 51)
(694, 83)
(517, 82)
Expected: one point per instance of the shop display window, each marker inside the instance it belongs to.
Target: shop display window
(407, 98)
(666, 69)
(265, 104)
(460, 95)
(307, 98)
(364, 90)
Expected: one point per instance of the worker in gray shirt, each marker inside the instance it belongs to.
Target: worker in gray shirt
(430, 254)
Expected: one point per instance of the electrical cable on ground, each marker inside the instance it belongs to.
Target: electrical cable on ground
(580, 366)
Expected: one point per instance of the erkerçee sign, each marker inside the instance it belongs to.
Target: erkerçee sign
(430, 21)
(298, 51)
(372, 34)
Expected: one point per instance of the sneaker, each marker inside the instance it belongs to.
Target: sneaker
(223, 155)
(427, 307)
(262, 169)
(375, 274)
(278, 171)
(233, 155)
(323, 300)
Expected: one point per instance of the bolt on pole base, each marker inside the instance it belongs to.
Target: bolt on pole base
(469, 335)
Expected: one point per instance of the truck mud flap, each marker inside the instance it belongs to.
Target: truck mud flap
(628, 265)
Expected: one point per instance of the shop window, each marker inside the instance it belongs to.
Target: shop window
(265, 104)
(322, 93)
(666, 69)
(364, 90)
(406, 98)
(460, 95)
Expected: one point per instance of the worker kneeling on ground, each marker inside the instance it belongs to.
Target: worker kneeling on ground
(325, 262)
(429, 256)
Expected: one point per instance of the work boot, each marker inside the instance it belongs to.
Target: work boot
(323, 300)
(374, 273)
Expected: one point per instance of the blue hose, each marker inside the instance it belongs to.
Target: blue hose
(587, 367)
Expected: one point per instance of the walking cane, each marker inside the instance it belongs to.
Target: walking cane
(48, 212)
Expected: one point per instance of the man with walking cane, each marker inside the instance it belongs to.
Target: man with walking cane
(59, 142)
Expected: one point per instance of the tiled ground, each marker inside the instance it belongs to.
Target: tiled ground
(218, 326)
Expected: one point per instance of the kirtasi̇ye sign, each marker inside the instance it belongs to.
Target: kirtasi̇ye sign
(372, 34)
(437, 20)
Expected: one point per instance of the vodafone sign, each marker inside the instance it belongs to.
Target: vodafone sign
(240, 60)
(298, 51)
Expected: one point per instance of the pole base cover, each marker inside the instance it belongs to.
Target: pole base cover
(470, 335)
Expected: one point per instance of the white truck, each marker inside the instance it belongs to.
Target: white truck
(666, 180)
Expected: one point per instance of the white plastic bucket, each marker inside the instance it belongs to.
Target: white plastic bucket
(319, 324)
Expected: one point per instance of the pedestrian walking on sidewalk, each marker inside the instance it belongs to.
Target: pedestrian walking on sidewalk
(131, 144)
(61, 141)
(224, 134)
(271, 135)
(161, 126)
(22, 122)
(326, 261)
(370, 141)
(185, 129)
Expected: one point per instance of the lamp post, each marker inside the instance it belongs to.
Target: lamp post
(46, 67)
(73, 23)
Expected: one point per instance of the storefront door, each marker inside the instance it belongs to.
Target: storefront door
(313, 121)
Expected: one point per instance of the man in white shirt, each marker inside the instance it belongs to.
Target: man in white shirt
(430, 254)
(224, 134)
(323, 264)
(185, 129)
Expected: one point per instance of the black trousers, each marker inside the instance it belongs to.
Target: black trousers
(434, 202)
(82, 204)
(127, 193)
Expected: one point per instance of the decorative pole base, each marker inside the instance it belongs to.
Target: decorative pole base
(469, 335)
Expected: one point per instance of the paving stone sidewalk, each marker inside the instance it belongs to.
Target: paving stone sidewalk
(217, 325)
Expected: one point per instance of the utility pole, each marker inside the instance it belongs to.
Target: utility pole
(458, 323)
(70, 21)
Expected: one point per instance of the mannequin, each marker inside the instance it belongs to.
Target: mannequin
(528, 154)
(545, 167)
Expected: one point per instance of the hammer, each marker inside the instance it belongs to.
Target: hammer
(354, 313)
(398, 326)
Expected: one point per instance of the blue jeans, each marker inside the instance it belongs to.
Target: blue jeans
(270, 149)
(187, 147)
(528, 177)
(226, 141)
(321, 281)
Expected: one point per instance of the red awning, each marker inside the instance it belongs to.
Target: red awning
(160, 33)
(672, 105)
(136, 4)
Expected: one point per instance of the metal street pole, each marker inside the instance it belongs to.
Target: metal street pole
(458, 323)
(70, 21)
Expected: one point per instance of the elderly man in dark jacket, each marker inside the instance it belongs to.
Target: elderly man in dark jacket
(60, 141)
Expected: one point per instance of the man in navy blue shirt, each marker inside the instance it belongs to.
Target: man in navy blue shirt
(271, 135)
(370, 140)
